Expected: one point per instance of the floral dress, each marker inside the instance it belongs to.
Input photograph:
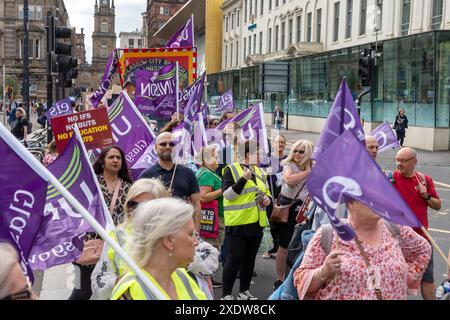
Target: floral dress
(400, 266)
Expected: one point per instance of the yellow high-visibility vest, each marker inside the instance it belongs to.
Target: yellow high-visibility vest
(244, 208)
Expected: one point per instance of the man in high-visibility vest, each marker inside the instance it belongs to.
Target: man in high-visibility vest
(246, 197)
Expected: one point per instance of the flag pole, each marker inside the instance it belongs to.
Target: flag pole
(22, 152)
(435, 245)
(178, 91)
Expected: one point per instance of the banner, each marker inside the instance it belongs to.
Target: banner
(156, 93)
(22, 200)
(183, 37)
(386, 137)
(60, 236)
(343, 116)
(353, 174)
(60, 108)
(225, 102)
(94, 128)
(111, 67)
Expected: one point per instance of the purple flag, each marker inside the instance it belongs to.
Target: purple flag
(60, 236)
(183, 37)
(343, 116)
(199, 139)
(226, 102)
(353, 174)
(386, 137)
(205, 113)
(22, 200)
(156, 92)
(111, 67)
(193, 105)
(59, 108)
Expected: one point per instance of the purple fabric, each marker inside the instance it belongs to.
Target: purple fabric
(60, 236)
(156, 92)
(22, 201)
(343, 116)
(183, 37)
(226, 102)
(111, 67)
(346, 171)
(199, 135)
(205, 113)
(59, 108)
(386, 137)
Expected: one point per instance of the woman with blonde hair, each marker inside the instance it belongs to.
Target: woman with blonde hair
(50, 153)
(296, 169)
(110, 267)
(162, 244)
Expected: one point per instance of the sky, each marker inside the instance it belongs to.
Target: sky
(128, 18)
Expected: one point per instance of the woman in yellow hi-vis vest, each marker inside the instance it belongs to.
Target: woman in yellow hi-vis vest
(162, 244)
(246, 197)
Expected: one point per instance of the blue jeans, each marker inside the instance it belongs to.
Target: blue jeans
(278, 125)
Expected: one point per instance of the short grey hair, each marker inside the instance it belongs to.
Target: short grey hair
(8, 259)
(153, 221)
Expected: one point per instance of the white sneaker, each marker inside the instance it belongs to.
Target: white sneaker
(246, 295)
(228, 297)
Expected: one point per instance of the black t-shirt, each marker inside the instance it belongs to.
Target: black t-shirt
(17, 129)
(184, 184)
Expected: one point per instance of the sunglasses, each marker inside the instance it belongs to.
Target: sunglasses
(166, 144)
(132, 205)
(299, 151)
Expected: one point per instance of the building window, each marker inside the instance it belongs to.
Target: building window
(309, 22)
(406, 15)
(139, 43)
(261, 8)
(238, 17)
(290, 24)
(37, 49)
(38, 14)
(277, 35)
(250, 10)
(299, 28)
(245, 10)
(283, 35)
(270, 5)
(232, 21)
(167, 11)
(348, 23)
(162, 41)
(20, 11)
(231, 55)
(260, 42)
(256, 9)
(131, 43)
(249, 45)
(277, 2)
(254, 44)
(245, 49)
(337, 6)
(104, 27)
(161, 10)
(319, 25)
(226, 24)
(269, 41)
(237, 53)
(380, 5)
(436, 15)
(104, 52)
(363, 18)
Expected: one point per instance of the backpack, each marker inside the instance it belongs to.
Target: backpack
(287, 290)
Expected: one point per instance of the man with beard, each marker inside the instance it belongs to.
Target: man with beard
(178, 179)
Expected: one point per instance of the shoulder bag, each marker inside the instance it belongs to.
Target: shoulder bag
(280, 214)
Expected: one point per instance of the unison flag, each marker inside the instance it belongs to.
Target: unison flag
(343, 116)
(183, 37)
(59, 108)
(111, 67)
(60, 236)
(22, 199)
(346, 171)
(156, 93)
(386, 137)
(226, 102)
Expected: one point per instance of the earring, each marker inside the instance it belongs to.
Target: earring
(170, 254)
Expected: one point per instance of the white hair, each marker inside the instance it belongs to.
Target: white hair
(8, 258)
(153, 221)
(153, 186)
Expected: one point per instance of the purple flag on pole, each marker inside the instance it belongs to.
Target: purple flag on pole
(193, 105)
(60, 236)
(22, 201)
(386, 137)
(199, 139)
(205, 113)
(226, 102)
(346, 171)
(343, 116)
(59, 108)
(156, 92)
(183, 37)
(111, 67)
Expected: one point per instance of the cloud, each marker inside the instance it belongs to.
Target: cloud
(128, 18)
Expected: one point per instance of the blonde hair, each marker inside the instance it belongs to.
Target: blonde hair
(51, 147)
(307, 162)
(153, 186)
(8, 259)
(153, 221)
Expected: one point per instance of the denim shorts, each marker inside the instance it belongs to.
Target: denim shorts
(428, 275)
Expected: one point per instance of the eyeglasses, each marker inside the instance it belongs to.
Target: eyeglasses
(299, 151)
(132, 205)
(403, 160)
(22, 295)
(166, 144)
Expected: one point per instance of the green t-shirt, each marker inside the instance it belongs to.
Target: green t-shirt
(207, 178)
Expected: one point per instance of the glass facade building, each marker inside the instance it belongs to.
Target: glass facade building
(412, 72)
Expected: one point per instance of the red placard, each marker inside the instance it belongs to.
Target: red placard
(94, 128)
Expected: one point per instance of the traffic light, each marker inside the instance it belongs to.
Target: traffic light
(365, 68)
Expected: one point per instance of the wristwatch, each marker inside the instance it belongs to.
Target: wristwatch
(428, 198)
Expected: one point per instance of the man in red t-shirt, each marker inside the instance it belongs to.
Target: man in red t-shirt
(419, 193)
